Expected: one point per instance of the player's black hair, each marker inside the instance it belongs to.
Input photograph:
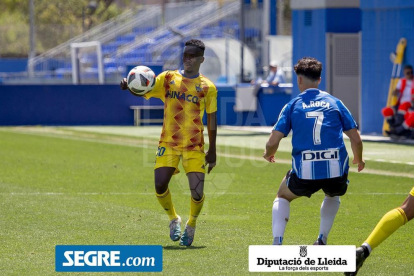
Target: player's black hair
(197, 43)
(309, 67)
(408, 67)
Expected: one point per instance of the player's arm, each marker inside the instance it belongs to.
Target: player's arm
(272, 145)
(396, 92)
(397, 89)
(357, 147)
(157, 91)
(211, 155)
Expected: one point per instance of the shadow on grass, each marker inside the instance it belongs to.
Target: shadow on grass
(179, 247)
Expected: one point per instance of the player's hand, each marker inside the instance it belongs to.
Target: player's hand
(124, 84)
(270, 159)
(361, 164)
(211, 159)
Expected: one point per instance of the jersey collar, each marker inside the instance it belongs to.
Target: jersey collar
(311, 90)
(182, 74)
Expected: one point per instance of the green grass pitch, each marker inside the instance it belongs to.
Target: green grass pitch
(92, 186)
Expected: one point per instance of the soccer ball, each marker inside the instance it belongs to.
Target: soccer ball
(141, 80)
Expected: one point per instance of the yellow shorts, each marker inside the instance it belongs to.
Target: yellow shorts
(193, 161)
(412, 191)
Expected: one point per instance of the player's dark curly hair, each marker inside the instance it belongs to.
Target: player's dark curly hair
(309, 67)
(196, 42)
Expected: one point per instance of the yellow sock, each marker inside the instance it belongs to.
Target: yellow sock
(390, 222)
(195, 209)
(166, 203)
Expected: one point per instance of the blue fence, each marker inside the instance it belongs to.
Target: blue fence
(63, 105)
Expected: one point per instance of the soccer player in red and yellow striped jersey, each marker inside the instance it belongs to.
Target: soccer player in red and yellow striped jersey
(186, 94)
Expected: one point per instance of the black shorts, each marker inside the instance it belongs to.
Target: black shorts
(304, 187)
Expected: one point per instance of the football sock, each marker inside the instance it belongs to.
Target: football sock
(280, 217)
(390, 222)
(166, 203)
(195, 209)
(367, 249)
(329, 208)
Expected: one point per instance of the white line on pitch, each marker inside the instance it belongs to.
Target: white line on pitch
(152, 194)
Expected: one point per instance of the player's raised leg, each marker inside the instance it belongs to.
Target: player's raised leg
(162, 178)
(281, 211)
(196, 182)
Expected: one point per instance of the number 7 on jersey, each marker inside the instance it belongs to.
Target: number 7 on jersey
(317, 126)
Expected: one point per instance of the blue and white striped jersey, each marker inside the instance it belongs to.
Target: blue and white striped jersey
(317, 121)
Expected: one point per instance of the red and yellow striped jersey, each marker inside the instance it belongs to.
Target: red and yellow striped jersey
(184, 100)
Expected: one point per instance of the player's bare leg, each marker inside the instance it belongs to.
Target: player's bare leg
(196, 183)
(408, 207)
(162, 179)
(281, 211)
(284, 191)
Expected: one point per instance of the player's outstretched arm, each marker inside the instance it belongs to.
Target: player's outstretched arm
(272, 145)
(124, 86)
(357, 147)
(212, 134)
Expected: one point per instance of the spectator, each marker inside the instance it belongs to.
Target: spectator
(397, 115)
(275, 76)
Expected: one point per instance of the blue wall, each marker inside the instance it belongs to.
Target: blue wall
(381, 31)
(309, 28)
(335, 20)
(386, 4)
(108, 105)
(308, 35)
(13, 64)
(66, 105)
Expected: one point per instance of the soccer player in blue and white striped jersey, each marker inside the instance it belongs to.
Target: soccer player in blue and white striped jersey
(319, 157)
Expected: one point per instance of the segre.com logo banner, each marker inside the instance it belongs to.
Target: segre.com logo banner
(298, 258)
(108, 258)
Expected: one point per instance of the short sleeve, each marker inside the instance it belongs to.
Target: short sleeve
(347, 120)
(159, 89)
(283, 123)
(211, 99)
(399, 84)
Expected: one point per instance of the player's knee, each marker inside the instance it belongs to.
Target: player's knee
(408, 208)
(279, 195)
(333, 198)
(197, 196)
(161, 186)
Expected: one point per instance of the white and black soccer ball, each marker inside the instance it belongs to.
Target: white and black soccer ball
(141, 80)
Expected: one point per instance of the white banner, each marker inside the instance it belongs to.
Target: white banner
(301, 258)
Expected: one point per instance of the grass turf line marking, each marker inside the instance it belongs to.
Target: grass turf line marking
(152, 194)
(135, 143)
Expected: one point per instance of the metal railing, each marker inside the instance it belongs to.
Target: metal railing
(196, 15)
(90, 34)
(196, 26)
